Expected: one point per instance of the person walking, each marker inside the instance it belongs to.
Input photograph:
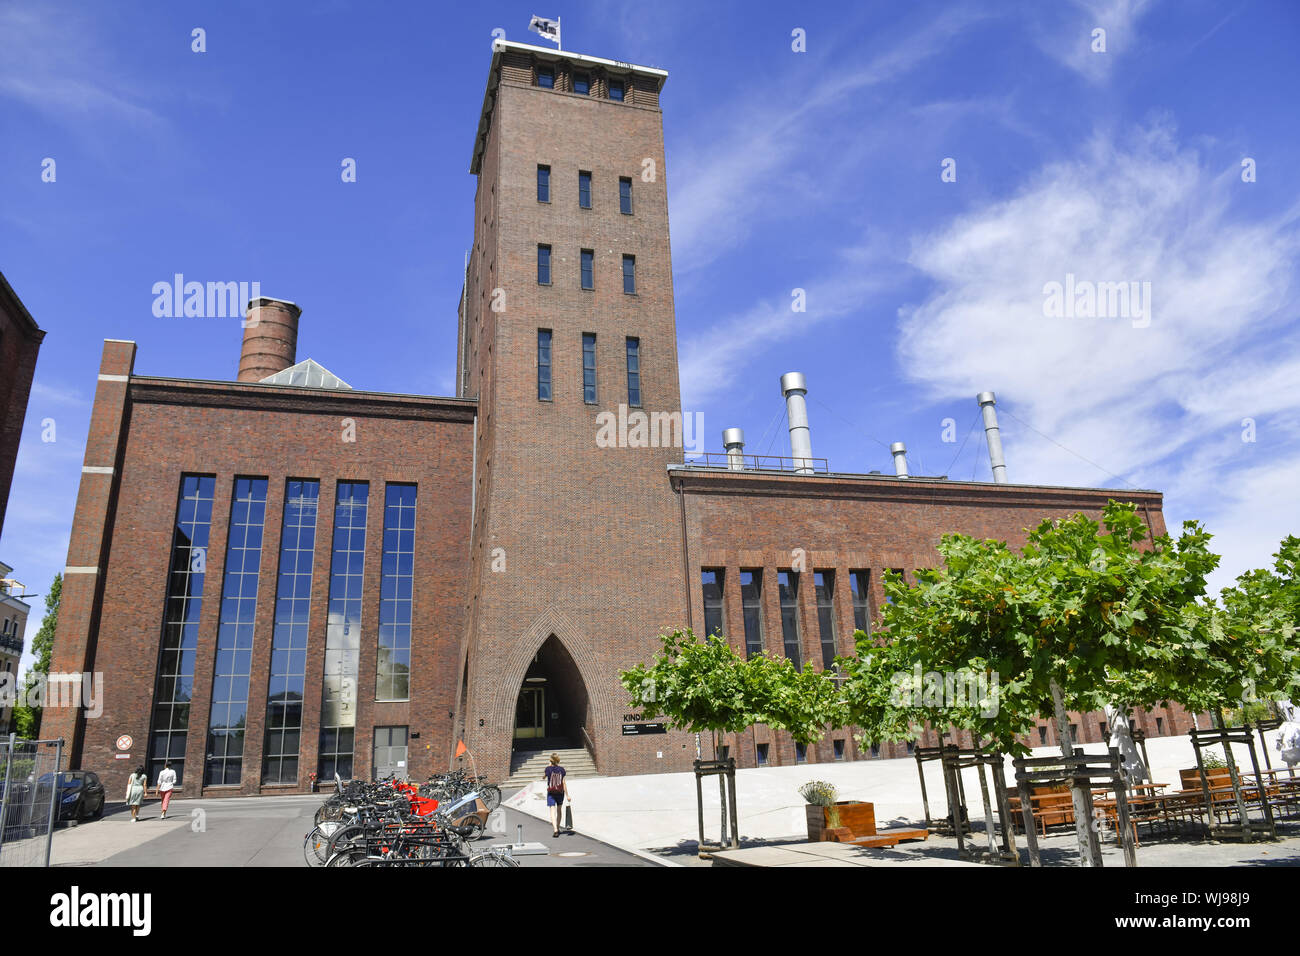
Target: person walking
(135, 788)
(557, 791)
(166, 783)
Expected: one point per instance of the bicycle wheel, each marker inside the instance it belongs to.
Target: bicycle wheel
(352, 836)
(491, 795)
(493, 859)
(473, 823)
(349, 856)
(315, 846)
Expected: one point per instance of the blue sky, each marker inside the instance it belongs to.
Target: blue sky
(816, 170)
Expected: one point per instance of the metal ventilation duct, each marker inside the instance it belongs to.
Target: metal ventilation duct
(794, 388)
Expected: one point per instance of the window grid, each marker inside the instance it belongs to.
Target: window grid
(588, 268)
(229, 714)
(711, 581)
(629, 275)
(543, 265)
(634, 372)
(589, 368)
(788, 583)
(584, 189)
(625, 195)
(543, 183)
(581, 84)
(543, 365)
(343, 632)
(824, 581)
(860, 585)
(393, 670)
(546, 77)
(616, 90)
(288, 673)
(184, 604)
(751, 603)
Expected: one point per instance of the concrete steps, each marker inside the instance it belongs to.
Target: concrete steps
(527, 766)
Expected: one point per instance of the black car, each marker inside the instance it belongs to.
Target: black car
(81, 795)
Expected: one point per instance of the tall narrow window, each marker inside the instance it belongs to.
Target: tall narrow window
(543, 365)
(543, 265)
(634, 372)
(338, 717)
(589, 368)
(584, 190)
(616, 90)
(788, 583)
(859, 583)
(543, 183)
(546, 77)
(751, 603)
(581, 84)
(180, 636)
(393, 672)
(629, 275)
(760, 755)
(229, 714)
(711, 580)
(824, 581)
(288, 674)
(587, 258)
(625, 195)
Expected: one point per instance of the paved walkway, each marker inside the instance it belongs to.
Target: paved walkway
(269, 831)
(658, 812)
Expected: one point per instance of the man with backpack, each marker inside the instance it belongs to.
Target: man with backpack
(557, 791)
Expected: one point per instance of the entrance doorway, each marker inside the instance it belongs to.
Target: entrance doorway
(390, 753)
(530, 713)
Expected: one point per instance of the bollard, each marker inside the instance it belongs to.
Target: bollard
(519, 835)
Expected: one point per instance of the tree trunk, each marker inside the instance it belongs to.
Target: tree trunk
(1122, 737)
(1089, 848)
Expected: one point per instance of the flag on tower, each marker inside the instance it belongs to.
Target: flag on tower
(546, 28)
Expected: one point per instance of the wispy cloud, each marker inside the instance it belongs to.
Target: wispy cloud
(1153, 403)
(1065, 33)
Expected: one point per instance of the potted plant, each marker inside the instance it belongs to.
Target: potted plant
(823, 813)
(1216, 772)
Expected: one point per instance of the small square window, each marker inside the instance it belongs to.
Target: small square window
(761, 753)
(546, 77)
(581, 83)
(839, 749)
(616, 90)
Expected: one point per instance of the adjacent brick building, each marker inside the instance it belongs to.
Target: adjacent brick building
(20, 341)
(282, 576)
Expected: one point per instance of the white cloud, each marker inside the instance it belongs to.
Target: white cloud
(1161, 406)
(1068, 38)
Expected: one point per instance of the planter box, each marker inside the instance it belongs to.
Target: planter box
(1217, 777)
(855, 816)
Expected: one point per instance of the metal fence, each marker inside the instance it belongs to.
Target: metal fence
(30, 771)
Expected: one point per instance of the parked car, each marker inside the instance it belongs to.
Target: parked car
(81, 795)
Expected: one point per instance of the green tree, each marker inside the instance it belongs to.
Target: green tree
(27, 720)
(1075, 621)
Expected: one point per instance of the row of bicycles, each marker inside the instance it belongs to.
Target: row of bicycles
(394, 823)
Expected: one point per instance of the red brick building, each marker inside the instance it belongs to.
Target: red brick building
(282, 576)
(20, 341)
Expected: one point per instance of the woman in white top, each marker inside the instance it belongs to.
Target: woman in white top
(166, 783)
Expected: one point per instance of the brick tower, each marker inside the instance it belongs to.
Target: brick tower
(566, 325)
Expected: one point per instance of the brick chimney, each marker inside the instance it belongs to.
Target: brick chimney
(270, 338)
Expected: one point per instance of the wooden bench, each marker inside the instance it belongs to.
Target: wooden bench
(893, 836)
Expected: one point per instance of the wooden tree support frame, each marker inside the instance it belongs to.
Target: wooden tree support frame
(942, 825)
(1245, 829)
(954, 760)
(1080, 773)
(725, 771)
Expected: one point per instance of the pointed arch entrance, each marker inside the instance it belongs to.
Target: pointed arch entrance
(553, 706)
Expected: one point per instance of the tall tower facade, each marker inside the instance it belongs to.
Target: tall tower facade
(568, 342)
